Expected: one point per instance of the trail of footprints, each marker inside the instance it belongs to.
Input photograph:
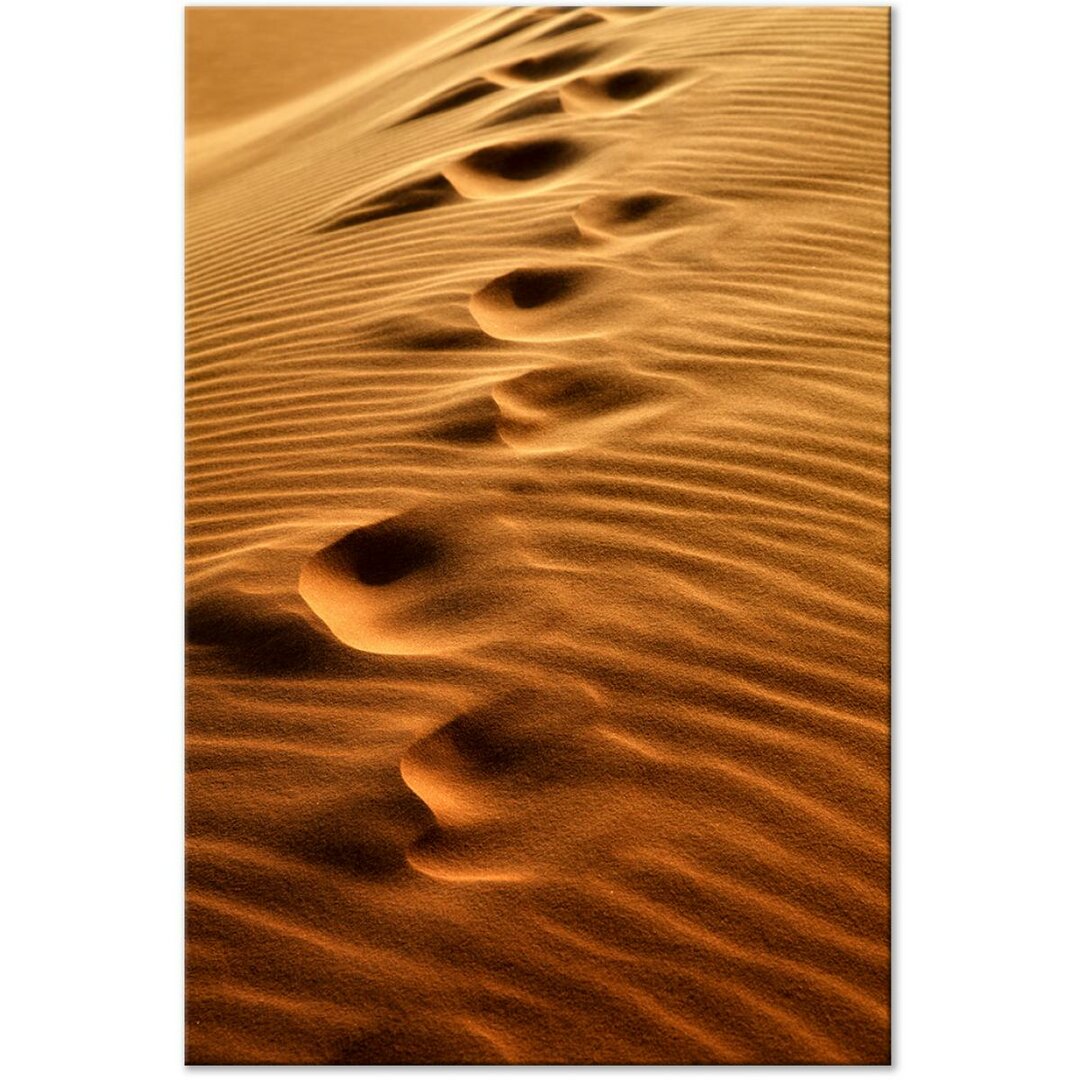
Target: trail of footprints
(445, 577)
(522, 167)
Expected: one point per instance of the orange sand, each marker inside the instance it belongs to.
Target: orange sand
(538, 545)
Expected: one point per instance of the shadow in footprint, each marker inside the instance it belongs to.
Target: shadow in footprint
(483, 774)
(422, 582)
(509, 169)
(628, 85)
(606, 215)
(638, 207)
(553, 65)
(410, 198)
(526, 160)
(529, 289)
(385, 552)
(620, 90)
(519, 737)
(555, 303)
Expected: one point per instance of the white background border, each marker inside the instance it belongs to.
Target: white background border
(985, 394)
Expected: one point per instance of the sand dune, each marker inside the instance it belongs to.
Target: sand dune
(538, 505)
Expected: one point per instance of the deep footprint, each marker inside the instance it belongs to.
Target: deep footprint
(423, 582)
(554, 65)
(515, 168)
(619, 91)
(554, 303)
(503, 170)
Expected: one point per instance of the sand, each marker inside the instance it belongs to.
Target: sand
(538, 541)
(243, 61)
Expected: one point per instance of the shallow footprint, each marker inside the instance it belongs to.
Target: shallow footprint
(620, 91)
(483, 776)
(625, 215)
(514, 168)
(556, 409)
(425, 581)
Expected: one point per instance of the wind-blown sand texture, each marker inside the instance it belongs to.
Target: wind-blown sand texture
(538, 549)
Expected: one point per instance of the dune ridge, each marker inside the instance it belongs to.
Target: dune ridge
(538, 549)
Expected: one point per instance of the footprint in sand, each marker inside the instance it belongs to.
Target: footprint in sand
(611, 92)
(642, 214)
(422, 582)
(484, 774)
(515, 168)
(555, 303)
(556, 409)
(548, 67)
(503, 170)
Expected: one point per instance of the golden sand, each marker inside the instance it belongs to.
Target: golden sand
(538, 545)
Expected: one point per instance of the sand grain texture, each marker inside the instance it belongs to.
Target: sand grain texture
(538, 503)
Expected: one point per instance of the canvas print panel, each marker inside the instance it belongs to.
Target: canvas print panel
(538, 536)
